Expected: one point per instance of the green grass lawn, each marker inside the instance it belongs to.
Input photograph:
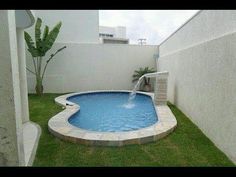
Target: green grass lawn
(186, 146)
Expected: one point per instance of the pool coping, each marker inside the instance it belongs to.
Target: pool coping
(59, 126)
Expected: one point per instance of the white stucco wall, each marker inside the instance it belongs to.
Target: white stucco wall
(200, 58)
(11, 138)
(205, 26)
(83, 67)
(78, 26)
(18, 136)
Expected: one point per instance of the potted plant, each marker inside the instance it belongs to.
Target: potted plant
(39, 48)
(138, 73)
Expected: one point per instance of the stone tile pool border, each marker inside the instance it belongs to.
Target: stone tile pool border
(59, 126)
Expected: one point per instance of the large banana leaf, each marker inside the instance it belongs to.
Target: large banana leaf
(45, 33)
(38, 33)
(51, 37)
(30, 44)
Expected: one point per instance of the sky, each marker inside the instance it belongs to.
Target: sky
(154, 25)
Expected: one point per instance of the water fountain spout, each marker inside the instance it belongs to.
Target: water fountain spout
(149, 75)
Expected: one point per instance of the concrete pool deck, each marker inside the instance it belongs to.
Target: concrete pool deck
(59, 126)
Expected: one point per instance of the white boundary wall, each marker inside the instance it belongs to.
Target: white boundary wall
(78, 26)
(84, 67)
(201, 60)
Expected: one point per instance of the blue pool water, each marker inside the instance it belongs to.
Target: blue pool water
(111, 112)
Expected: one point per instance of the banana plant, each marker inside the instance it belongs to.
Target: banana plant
(39, 48)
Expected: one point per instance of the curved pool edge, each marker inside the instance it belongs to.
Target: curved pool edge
(59, 126)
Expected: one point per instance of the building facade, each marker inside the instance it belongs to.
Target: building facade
(113, 35)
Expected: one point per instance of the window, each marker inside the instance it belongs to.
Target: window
(105, 35)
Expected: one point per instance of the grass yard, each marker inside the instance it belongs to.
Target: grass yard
(186, 146)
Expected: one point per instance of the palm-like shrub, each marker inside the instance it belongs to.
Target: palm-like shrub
(39, 48)
(139, 73)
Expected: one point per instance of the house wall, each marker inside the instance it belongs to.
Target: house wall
(117, 32)
(200, 58)
(83, 67)
(120, 32)
(11, 138)
(107, 30)
(114, 41)
(78, 26)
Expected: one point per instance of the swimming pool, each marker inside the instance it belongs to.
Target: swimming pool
(105, 118)
(111, 112)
